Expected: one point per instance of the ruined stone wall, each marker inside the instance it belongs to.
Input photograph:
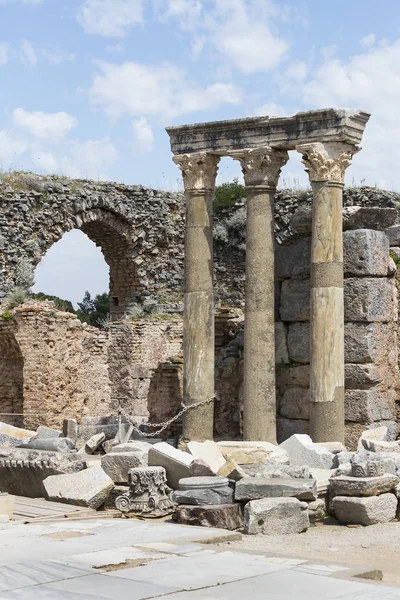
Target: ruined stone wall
(65, 366)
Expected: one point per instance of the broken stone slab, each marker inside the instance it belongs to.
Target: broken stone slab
(322, 476)
(363, 486)
(365, 511)
(70, 429)
(134, 446)
(368, 217)
(204, 490)
(16, 432)
(222, 516)
(22, 471)
(209, 452)
(275, 516)
(92, 444)
(198, 468)
(316, 510)
(175, 462)
(231, 470)
(379, 446)
(50, 444)
(43, 432)
(342, 458)
(334, 447)
(369, 464)
(253, 488)
(379, 434)
(274, 469)
(86, 488)
(244, 453)
(118, 464)
(6, 504)
(6, 441)
(85, 432)
(302, 451)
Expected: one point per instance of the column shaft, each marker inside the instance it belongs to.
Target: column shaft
(198, 318)
(327, 315)
(259, 417)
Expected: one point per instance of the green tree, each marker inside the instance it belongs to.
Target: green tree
(59, 303)
(227, 194)
(94, 311)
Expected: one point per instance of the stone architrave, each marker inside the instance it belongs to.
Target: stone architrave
(148, 493)
(326, 164)
(199, 172)
(365, 511)
(261, 168)
(203, 491)
(363, 486)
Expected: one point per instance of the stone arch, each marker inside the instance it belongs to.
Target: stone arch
(114, 236)
(11, 376)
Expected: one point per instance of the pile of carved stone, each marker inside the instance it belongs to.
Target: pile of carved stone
(255, 486)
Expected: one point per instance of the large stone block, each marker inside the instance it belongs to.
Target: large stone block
(378, 433)
(363, 486)
(295, 403)
(295, 300)
(272, 469)
(369, 299)
(209, 452)
(16, 432)
(366, 406)
(293, 377)
(251, 452)
(22, 472)
(47, 432)
(204, 490)
(372, 342)
(365, 511)
(49, 444)
(368, 217)
(285, 428)
(254, 488)
(393, 234)
(281, 349)
(117, 464)
(302, 451)
(175, 462)
(85, 432)
(299, 342)
(275, 516)
(222, 516)
(293, 261)
(365, 252)
(90, 487)
(364, 376)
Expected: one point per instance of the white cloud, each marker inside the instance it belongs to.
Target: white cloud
(368, 41)
(143, 135)
(11, 149)
(110, 18)
(239, 32)
(3, 54)
(270, 109)
(369, 81)
(164, 90)
(44, 125)
(28, 53)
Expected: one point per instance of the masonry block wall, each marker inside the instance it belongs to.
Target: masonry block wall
(371, 316)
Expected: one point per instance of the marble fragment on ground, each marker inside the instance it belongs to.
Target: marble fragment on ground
(365, 511)
(204, 490)
(254, 488)
(302, 451)
(89, 487)
(175, 462)
(222, 516)
(275, 516)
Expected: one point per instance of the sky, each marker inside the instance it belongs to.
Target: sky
(88, 87)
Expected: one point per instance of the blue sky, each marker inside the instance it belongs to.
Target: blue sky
(88, 86)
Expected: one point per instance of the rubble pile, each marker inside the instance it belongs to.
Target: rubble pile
(257, 487)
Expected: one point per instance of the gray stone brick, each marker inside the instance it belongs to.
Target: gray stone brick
(365, 343)
(369, 299)
(295, 300)
(365, 252)
(366, 406)
(293, 261)
(299, 342)
(295, 403)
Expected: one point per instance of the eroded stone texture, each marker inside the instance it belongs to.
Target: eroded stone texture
(365, 511)
(275, 516)
(371, 300)
(118, 464)
(302, 451)
(365, 252)
(254, 488)
(86, 488)
(299, 342)
(295, 300)
(204, 490)
(295, 403)
(148, 493)
(363, 486)
(222, 516)
(366, 406)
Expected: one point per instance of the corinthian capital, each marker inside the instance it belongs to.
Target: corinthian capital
(261, 166)
(199, 170)
(327, 162)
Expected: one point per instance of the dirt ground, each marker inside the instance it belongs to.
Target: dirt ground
(376, 546)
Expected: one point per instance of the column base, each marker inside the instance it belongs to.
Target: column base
(327, 419)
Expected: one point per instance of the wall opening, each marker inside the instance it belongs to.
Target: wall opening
(11, 378)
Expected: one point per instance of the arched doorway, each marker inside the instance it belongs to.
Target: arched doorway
(11, 376)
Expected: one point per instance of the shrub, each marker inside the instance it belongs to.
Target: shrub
(227, 194)
(15, 297)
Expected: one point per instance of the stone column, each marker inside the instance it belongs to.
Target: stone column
(326, 164)
(261, 168)
(199, 172)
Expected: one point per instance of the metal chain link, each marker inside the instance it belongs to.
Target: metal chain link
(163, 426)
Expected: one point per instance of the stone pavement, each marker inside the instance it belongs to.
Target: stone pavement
(135, 560)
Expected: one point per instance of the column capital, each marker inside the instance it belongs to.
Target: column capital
(261, 166)
(327, 161)
(199, 170)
